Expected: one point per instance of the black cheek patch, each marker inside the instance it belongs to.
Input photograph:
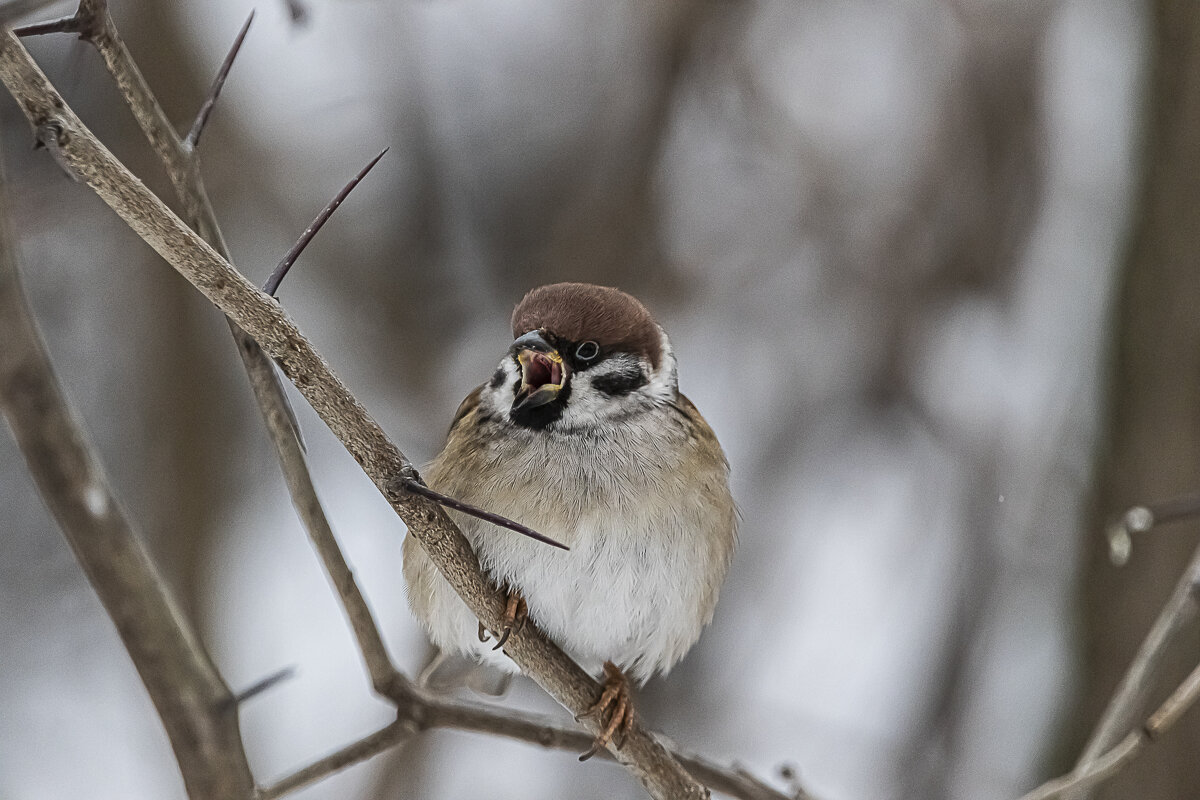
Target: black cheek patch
(497, 378)
(620, 383)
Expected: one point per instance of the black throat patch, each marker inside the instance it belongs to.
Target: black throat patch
(540, 417)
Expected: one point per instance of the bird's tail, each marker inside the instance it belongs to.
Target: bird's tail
(447, 672)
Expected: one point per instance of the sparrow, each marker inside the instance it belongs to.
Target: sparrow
(582, 434)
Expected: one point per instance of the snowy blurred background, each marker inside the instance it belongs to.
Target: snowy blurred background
(887, 239)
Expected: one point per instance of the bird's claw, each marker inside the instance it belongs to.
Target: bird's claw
(515, 614)
(614, 710)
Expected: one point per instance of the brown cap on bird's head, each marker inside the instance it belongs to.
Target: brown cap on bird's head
(580, 312)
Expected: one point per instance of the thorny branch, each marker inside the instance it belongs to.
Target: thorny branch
(212, 274)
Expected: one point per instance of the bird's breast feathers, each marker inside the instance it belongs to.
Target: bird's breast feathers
(644, 506)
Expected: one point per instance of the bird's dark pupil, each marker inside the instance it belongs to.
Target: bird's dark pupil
(587, 351)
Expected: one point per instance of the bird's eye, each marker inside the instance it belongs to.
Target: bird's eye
(586, 351)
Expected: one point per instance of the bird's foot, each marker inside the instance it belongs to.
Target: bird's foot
(516, 612)
(614, 710)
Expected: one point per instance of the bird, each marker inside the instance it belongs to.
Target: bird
(583, 435)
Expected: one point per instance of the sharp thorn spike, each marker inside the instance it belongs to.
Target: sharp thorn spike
(263, 685)
(214, 91)
(281, 270)
(71, 24)
(416, 487)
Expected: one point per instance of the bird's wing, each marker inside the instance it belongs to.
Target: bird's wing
(469, 404)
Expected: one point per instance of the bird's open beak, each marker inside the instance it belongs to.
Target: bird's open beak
(543, 373)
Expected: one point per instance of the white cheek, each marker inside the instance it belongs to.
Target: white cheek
(497, 400)
(664, 383)
(587, 405)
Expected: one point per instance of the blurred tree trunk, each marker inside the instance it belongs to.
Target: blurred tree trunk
(1155, 409)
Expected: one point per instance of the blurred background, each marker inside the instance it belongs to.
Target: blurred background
(928, 269)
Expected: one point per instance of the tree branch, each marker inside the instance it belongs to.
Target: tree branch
(1090, 773)
(196, 707)
(431, 713)
(384, 739)
(266, 322)
(1134, 689)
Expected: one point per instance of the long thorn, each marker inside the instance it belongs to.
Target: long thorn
(266, 683)
(280, 271)
(416, 487)
(71, 24)
(214, 91)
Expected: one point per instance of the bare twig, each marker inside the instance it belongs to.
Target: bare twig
(431, 712)
(1130, 697)
(382, 740)
(195, 705)
(214, 91)
(266, 322)
(183, 168)
(1090, 773)
(289, 258)
(1095, 772)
